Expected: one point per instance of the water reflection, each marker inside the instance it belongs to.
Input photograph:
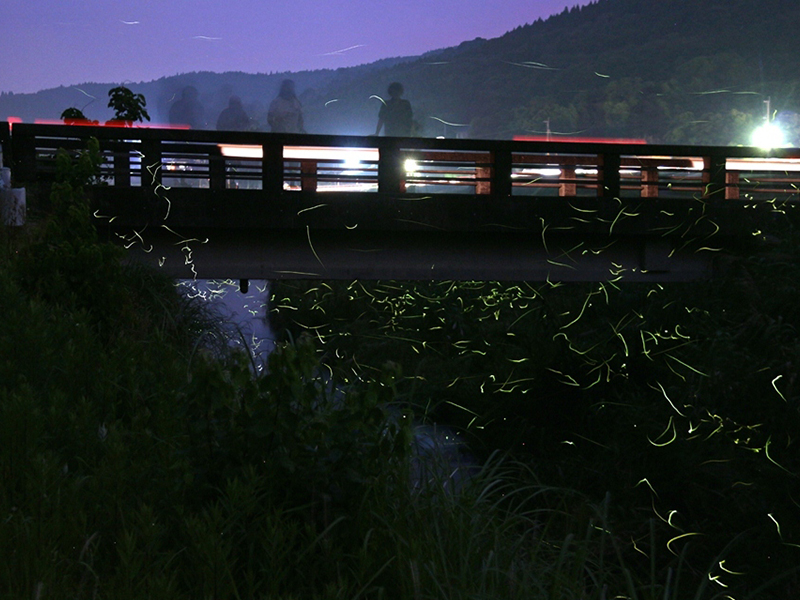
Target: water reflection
(440, 455)
(243, 315)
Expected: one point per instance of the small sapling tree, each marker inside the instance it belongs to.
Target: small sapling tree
(128, 107)
(75, 116)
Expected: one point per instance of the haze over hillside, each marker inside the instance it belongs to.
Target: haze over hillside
(675, 71)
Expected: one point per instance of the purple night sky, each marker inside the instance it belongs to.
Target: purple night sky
(48, 43)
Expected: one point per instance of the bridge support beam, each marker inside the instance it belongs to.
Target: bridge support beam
(414, 256)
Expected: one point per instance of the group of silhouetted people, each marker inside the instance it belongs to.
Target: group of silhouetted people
(285, 113)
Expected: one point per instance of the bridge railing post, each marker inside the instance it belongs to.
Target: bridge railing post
(23, 155)
(272, 168)
(483, 175)
(731, 185)
(501, 173)
(308, 175)
(610, 176)
(714, 176)
(566, 181)
(649, 184)
(5, 143)
(151, 162)
(122, 164)
(391, 172)
(216, 169)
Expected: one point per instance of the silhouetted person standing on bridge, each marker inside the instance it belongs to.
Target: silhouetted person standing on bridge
(233, 118)
(188, 111)
(395, 115)
(286, 113)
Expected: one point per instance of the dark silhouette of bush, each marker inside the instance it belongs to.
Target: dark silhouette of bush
(129, 108)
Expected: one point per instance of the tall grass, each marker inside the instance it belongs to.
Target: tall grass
(680, 400)
(142, 457)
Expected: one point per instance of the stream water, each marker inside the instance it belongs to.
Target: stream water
(243, 314)
(441, 456)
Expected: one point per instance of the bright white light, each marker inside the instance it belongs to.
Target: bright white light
(549, 172)
(330, 153)
(350, 156)
(410, 165)
(352, 162)
(540, 172)
(768, 136)
(774, 165)
(241, 151)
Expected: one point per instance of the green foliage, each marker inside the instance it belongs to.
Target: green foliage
(543, 112)
(320, 442)
(72, 113)
(138, 459)
(128, 107)
(66, 263)
(646, 434)
(70, 116)
(680, 400)
(146, 466)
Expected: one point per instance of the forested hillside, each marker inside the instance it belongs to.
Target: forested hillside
(676, 71)
(681, 71)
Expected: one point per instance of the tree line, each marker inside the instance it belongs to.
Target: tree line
(682, 72)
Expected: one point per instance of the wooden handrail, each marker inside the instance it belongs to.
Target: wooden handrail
(495, 168)
(5, 139)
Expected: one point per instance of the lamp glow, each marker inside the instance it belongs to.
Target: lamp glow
(768, 136)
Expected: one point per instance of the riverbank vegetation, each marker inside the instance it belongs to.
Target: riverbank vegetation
(635, 441)
(675, 406)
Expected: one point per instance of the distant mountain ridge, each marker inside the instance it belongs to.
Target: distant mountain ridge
(676, 71)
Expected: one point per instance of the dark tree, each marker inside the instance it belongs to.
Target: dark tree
(128, 107)
(73, 116)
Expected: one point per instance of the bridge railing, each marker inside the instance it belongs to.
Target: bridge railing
(5, 140)
(286, 164)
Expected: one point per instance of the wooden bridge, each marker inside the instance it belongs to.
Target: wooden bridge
(239, 205)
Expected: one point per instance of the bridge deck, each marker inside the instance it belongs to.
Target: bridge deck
(255, 205)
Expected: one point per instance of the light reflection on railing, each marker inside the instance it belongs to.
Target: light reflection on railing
(355, 169)
(310, 164)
